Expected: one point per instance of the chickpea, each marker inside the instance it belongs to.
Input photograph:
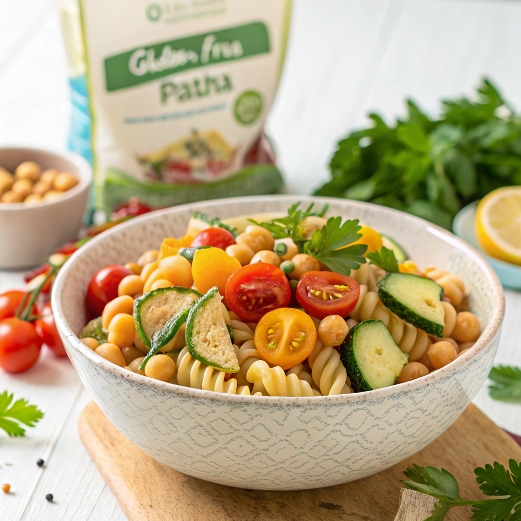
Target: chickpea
(160, 367)
(11, 197)
(48, 176)
(90, 342)
(332, 330)
(134, 267)
(411, 371)
(130, 353)
(244, 254)
(254, 242)
(64, 181)
(466, 345)
(52, 195)
(286, 249)
(123, 304)
(467, 327)
(140, 344)
(161, 283)
(177, 270)
(121, 330)
(303, 264)
(452, 341)
(267, 256)
(155, 275)
(462, 352)
(259, 231)
(6, 181)
(148, 269)
(147, 257)
(130, 285)
(311, 224)
(41, 187)
(112, 353)
(24, 187)
(28, 170)
(33, 199)
(134, 366)
(441, 354)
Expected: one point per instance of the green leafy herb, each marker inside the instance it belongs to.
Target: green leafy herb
(215, 221)
(507, 383)
(431, 167)
(385, 259)
(12, 415)
(494, 480)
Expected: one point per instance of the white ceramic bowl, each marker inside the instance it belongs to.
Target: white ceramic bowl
(30, 233)
(280, 443)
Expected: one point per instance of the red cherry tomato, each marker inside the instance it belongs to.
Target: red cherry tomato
(132, 208)
(257, 289)
(103, 287)
(46, 329)
(216, 237)
(19, 345)
(323, 293)
(9, 302)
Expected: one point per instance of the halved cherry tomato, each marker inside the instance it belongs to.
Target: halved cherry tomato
(19, 345)
(323, 293)
(46, 329)
(103, 287)
(285, 337)
(9, 302)
(257, 289)
(213, 267)
(216, 237)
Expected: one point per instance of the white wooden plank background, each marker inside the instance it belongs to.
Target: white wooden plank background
(345, 58)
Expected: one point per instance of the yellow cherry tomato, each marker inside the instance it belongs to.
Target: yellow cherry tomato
(285, 337)
(213, 267)
(370, 237)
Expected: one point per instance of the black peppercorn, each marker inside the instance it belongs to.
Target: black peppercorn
(49, 497)
(40, 462)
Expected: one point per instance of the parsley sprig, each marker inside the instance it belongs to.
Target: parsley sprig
(13, 415)
(503, 484)
(506, 385)
(215, 221)
(385, 259)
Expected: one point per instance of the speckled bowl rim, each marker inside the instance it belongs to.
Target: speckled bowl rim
(485, 339)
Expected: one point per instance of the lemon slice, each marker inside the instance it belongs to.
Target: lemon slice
(498, 224)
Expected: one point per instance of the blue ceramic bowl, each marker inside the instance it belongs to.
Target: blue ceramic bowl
(463, 226)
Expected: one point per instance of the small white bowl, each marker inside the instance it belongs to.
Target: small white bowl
(30, 233)
(463, 226)
(280, 443)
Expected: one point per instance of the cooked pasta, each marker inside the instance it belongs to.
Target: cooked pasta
(453, 286)
(368, 275)
(247, 355)
(328, 372)
(241, 332)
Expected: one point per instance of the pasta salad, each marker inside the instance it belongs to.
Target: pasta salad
(279, 305)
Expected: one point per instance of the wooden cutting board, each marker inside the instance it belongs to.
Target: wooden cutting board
(149, 491)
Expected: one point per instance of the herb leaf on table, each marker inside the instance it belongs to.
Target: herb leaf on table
(384, 259)
(14, 414)
(506, 385)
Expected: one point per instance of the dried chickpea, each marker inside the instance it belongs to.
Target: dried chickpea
(140, 344)
(123, 304)
(441, 354)
(51, 195)
(254, 242)
(48, 176)
(33, 199)
(160, 367)
(121, 330)
(286, 249)
(24, 187)
(134, 267)
(177, 270)
(130, 285)
(130, 353)
(90, 342)
(11, 197)
(411, 371)
(259, 231)
(467, 327)
(267, 256)
(244, 254)
(147, 257)
(112, 353)
(332, 330)
(41, 187)
(161, 283)
(134, 366)
(28, 170)
(303, 264)
(64, 181)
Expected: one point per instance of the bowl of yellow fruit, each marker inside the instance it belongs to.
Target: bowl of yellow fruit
(493, 225)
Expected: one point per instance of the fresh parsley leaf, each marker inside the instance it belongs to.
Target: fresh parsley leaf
(440, 484)
(507, 383)
(385, 259)
(215, 221)
(12, 415)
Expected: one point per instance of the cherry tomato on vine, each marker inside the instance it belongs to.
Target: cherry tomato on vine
(323, 293)
(257, 289)
(46, 329)
(19, 345)
(9, 302)
(103, 287)
(216, 237)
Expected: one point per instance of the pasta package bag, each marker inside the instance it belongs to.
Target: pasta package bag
(169, 99)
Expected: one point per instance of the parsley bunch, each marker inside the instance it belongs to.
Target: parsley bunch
(431, 167)
(13, 415)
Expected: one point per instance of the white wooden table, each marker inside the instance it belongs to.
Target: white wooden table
(346, 57)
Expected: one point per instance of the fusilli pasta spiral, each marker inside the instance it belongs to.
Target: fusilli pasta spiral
(241, 332)
(367, 274)
(247, 355)
(453, 286)
(328, 372)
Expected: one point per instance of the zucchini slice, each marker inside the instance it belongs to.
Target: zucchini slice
(415, 299)
(94, 330)
(207, 337)
(159, 308)
(399, 252)
(371, 357)
(189, 253)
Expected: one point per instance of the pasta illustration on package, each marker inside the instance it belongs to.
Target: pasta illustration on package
(169, 99)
